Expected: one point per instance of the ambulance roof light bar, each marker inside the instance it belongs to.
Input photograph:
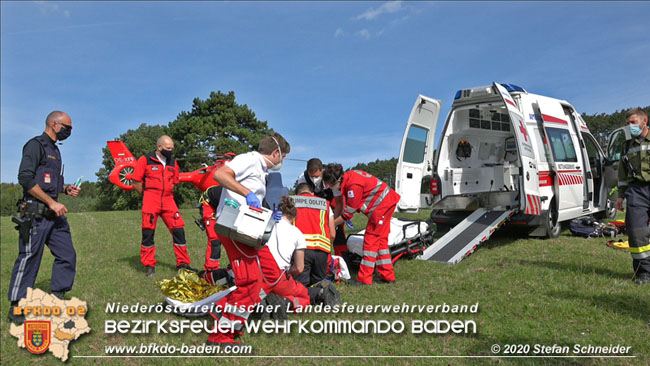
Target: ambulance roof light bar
(514, 88)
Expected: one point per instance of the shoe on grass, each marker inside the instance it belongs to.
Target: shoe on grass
(149, 271)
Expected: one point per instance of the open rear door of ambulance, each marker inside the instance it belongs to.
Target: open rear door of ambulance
(530, 200)
(416, 155)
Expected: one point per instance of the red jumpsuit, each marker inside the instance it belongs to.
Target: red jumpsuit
(246, 263)
(210, 200)
(158, 185)
(365, 193)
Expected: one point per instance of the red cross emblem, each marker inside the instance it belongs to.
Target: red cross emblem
(523, 131)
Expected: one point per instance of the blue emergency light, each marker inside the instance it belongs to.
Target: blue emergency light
(513, 88)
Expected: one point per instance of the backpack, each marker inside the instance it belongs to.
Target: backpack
(586, 227)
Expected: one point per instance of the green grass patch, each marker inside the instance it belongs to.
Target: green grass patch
(563, 291)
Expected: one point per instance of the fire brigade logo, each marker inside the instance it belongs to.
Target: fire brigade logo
(37, 336)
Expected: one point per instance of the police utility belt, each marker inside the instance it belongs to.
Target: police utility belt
(35, 210)
(28, 211)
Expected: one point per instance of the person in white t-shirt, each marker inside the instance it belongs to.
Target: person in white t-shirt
(244, 180)
(284, 255)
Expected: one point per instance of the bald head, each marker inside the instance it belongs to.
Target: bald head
(165, 142)
(165, 147)
(57, 116)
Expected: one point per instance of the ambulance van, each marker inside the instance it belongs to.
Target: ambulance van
(505, 155)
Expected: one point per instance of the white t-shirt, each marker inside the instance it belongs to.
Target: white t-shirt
(335, 191)
(285, 239)
(162, 160)
(250, 171)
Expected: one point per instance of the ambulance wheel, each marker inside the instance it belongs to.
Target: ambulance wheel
(553, 226)
(609, 213)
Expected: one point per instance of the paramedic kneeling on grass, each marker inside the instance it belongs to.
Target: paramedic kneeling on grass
(364, 192)
(244, 180)
(634, 185)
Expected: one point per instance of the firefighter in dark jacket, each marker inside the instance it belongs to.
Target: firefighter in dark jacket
(156, 173)
(634, 186)
(42, 219)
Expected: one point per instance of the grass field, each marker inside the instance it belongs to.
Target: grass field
(563, 291)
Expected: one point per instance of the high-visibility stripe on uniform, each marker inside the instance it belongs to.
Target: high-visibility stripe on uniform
(367, 253)
(636, 149)
(349, 211)
(641, 252)
(225, 323)
(383, 261)
(383, 252)
(313, 221)
(640, 255)
(368, 263)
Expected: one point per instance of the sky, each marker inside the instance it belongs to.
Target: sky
(336, 79)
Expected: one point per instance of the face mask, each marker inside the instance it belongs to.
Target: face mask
(167, 153)
(63, 134)
(277, 166)
(635, 130)
(316, 180)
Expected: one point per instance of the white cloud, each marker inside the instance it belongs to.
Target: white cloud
(386, 8)
(339, 32)
(48, 7)
(364, 33)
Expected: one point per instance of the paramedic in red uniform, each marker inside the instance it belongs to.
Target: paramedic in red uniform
(156, 173)
(244, 180)
(365, 193)
(209, 201)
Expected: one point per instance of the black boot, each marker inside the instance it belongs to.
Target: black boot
(59, 295)
(16, 319)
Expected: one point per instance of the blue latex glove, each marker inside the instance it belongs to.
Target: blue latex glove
(277, 215)
(252, 200)
(348, 223)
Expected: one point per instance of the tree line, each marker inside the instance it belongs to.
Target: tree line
(216, 125)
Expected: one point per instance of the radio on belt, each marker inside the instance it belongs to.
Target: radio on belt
(247, 225)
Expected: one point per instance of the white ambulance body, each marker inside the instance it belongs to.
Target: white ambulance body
(505, 154)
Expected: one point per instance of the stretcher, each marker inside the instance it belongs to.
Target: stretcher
(407, 239)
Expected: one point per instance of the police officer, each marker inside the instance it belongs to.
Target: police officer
(634, 185)
(42, 216)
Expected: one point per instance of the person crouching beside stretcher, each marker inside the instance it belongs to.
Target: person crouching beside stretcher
(365, 193)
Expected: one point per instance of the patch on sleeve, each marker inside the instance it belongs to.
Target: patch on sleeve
(350, 194)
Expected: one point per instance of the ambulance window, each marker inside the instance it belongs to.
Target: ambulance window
(415, 144)
(590, 145)
(561, 144)
(538, 137)
(615, 145)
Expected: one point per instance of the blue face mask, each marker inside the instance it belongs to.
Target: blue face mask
(635, 130)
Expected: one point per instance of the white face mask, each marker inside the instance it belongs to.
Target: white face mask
(316, 180)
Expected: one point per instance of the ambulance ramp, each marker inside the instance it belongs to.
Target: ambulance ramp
(463, 238)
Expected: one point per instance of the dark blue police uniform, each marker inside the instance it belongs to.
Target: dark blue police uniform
(41, 164)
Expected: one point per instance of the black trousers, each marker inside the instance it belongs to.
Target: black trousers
(55, 233)
(636, 225)
(315, 267)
